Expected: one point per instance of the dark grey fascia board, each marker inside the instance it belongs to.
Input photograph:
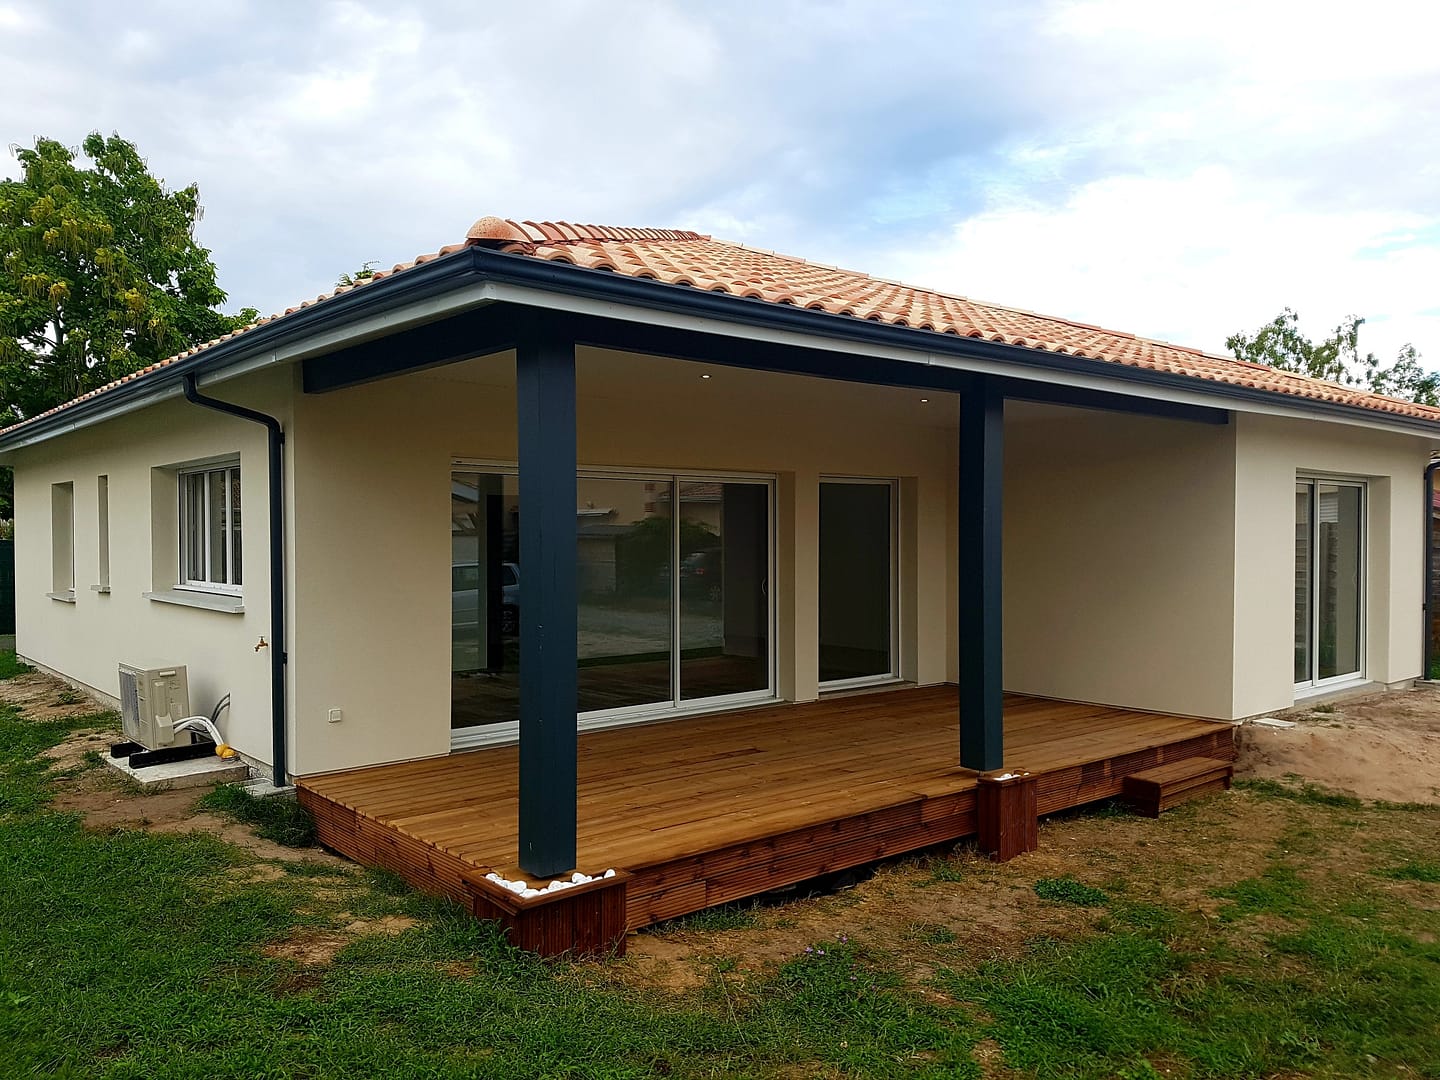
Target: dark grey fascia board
(474, 265)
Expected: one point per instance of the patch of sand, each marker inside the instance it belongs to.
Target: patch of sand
(38, 696)
(1381, 746)
(318, 948)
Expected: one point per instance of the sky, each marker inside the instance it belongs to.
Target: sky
(1180, 171)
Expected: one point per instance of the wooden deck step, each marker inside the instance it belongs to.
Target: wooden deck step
(1164, 786)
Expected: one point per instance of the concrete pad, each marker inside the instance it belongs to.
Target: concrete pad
(197, 772)
(1272, 722)
(262, 788)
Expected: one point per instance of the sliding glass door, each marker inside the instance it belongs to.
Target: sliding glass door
(858, 613)
(1329, 581)
(673, 595)
(674, 592)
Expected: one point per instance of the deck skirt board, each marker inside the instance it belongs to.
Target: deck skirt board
(716, 808)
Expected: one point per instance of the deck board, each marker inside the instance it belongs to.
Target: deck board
(717, 807)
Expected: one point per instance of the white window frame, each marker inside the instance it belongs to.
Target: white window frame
(1313, 685)
(231, 470)
(893, 675)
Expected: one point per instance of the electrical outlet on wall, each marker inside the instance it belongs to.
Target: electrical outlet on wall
(336, 715)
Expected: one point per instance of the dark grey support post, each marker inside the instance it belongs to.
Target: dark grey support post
(982, 441)
(545, 396)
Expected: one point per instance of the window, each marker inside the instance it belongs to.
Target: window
(210, 554)
(102, 582)
(62, 541)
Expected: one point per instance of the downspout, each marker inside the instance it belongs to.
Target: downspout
(1429, 599)
(277, 566)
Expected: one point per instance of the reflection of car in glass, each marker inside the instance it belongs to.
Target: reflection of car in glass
(465, 604)
(700, 575)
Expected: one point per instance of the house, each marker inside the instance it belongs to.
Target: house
(900, 566)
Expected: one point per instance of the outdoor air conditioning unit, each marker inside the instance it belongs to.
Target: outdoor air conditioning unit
(152, 702)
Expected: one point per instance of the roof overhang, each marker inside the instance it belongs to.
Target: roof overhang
(477, 276)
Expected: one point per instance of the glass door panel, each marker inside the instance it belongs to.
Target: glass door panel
(484, 599)
(625, 550)
(1337, 572)
(1329, 580)
(724, 588)
(857, 612)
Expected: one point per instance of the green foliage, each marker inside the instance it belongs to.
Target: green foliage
(1067, 890)
(278, 818)
(1413, 871)
(100, 273)
(1281, 344)
(1128, 1005)
(946, 871)
(875, 1029)
(739, 915)
(10, 666)
(24, 776)
(366, 271)
(1278, 891)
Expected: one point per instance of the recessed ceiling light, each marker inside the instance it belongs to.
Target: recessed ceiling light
(924, 400)
(704, 376)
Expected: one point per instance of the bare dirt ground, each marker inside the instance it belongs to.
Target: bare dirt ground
(1381, 746)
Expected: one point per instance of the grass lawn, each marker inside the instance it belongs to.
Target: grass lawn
(1278, 931)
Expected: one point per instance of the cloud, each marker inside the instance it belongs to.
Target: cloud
(1193, 259)
(1115, 160)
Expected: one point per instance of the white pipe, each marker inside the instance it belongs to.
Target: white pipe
(190, 723)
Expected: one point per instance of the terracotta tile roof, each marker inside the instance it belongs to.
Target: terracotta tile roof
(687, 258)
(679, 257)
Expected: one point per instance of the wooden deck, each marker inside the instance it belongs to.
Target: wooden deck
(715, 808)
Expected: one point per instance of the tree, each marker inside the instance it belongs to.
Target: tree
(100, 273)
(1280, 344)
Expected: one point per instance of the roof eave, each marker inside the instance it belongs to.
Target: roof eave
(567, 278)
(280, 340)
(285, 339)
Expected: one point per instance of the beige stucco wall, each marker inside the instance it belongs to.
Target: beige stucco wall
(88, 639)
(1122, 585)
(372, 506)
(1117, 559)
(1270, 453)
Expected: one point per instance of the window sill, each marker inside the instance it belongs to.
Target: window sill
(104, 590)
(63, 597)
(232, 605)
